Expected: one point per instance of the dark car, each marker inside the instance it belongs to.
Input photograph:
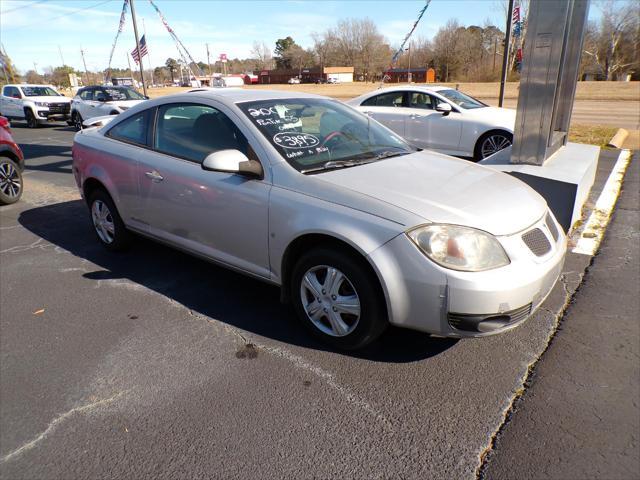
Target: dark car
(11, 165)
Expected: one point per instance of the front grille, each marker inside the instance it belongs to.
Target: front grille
(537, 242)
(551, 225)
(59, 108)
(488, 322)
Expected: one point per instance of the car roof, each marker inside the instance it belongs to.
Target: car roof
(29, 85)
(238, 95)
(402, 87)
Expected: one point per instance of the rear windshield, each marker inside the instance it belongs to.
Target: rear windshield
(39, 92)
(461, 99)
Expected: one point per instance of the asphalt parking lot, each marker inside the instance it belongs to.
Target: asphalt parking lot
(153, 364)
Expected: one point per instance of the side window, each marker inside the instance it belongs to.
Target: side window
(421, 100)
(6, 91)
(391, 99)
(99, 95)
(86, 94)
(132, 130)
(194, 131)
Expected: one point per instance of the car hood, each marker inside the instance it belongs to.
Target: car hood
(443, 189)
(499, 117)
(48, 99)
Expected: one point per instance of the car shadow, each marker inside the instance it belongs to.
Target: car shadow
(205, 288)
(58, 126)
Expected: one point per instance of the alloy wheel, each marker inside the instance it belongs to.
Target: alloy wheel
(493, 144)
(103, 221)
(10, 183)
(330, 300)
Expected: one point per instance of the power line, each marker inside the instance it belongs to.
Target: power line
(22, 6)
(64, 14)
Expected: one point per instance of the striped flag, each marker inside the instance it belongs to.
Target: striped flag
(143, 50)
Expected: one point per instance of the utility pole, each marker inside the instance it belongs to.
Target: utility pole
(505, 52)
(35, 67)
(144, 28)
(129, 63)
(61, 57)
(409, 69)
(85, 64)
(208, 60)
(135, 32)
(495, 53)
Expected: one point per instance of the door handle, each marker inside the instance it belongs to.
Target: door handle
(413, 116)
(368, 113)
(154, 176)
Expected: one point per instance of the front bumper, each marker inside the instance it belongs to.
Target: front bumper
(59, 112)
(424, 296)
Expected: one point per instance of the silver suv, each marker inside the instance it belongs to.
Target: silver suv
(358, 228)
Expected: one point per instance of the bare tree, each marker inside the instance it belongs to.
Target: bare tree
(446, 45)
(613, 44)
(261, 54)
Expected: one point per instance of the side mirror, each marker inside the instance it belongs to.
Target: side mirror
(232, 161)
(444, 108)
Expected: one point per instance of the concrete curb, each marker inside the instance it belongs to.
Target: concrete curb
(618, 139)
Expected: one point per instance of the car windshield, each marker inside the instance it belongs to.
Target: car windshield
(315, 135)
(122, 94)
(39, 92)
(462, 100)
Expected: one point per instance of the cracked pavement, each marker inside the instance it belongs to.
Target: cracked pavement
(154, 364)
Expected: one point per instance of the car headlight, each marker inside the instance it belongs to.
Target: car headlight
(42, 104)
(459, 248)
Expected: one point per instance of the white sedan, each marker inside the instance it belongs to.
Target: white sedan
(440, 119)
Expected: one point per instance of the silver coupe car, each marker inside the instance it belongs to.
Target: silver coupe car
(357, 227)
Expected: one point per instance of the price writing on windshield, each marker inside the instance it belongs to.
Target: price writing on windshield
(295, 140)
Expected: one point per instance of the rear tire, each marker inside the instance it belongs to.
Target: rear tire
(107, 223)
(32, 121)
(10, 181)
(337, 299)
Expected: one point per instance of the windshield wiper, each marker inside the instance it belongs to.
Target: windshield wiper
(335, 164)
(354, 161)
(389, 154)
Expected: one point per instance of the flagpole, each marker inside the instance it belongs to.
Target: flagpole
(135, 32)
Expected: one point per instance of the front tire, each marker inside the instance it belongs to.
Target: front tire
(492, 142)
(32, 121)
(107, 223)
(10, 181)
(338, 299)
(76, 120)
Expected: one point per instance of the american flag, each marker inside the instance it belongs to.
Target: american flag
(143, 50)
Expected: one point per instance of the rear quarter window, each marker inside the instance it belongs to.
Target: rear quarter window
(134, 129)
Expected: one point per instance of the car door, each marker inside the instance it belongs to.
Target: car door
(11, 106)
(388, 109)
(428, 128)
(223, 216)
(84, 107)
(98, 105)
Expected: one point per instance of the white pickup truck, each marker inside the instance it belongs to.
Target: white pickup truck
(35, 104)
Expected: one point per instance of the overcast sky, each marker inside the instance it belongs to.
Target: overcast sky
(31, 31)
